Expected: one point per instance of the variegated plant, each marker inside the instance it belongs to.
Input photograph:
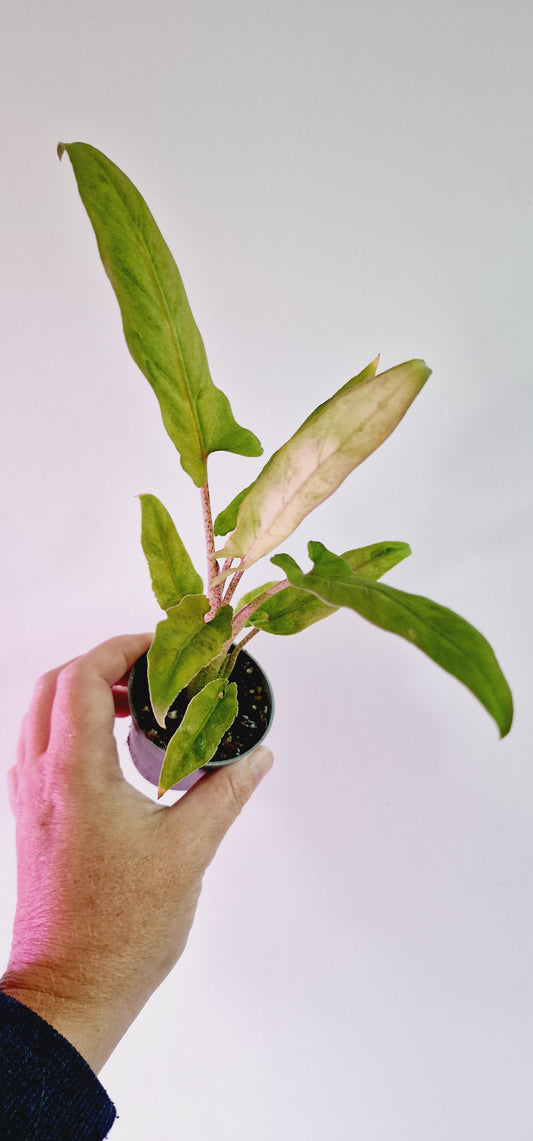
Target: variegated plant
(196, 644)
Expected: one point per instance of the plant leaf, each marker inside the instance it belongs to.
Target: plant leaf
(184, 644)
(171, 570)
(292, 610)
(160, 330)
(255, 593)
(226, 519)
(445, 637)
(208, 716)
(334, 439)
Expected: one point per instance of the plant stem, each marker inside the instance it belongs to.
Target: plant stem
(214, 593)
(232, 658)
(251, 634)
(233, 586)
(242, 615)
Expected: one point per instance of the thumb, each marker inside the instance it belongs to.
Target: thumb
(210, 807)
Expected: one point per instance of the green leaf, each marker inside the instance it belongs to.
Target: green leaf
(292, 610)
(160, 330)
(184, 644)
(377, 559)
(255, 593)
(226, 519)
(445, 637)
(171, 570)
(208, 716)
(334, 439)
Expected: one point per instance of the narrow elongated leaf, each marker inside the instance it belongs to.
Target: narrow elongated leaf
(367, 373)
(171, 570)
(445, 637)
(183, 644)
(160, 330)
(334, 439)
(208, 716)
(292, 610)
(377, 559)
(226, 519)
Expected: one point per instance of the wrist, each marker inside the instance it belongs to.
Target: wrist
(89, 1029)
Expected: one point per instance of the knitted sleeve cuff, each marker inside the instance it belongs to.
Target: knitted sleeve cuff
(47, 1090)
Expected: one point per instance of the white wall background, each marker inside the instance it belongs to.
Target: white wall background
(335, 179)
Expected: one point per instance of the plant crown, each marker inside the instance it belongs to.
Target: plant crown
(196, 643)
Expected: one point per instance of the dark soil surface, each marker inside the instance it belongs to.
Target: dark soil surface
(255, 708)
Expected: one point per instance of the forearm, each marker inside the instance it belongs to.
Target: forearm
(94, 1027)
(107, 880)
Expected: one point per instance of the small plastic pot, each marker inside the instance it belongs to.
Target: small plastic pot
(148, 741)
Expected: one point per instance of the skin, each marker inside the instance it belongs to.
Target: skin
(108, 880)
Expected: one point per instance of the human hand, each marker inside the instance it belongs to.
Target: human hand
(108, 880)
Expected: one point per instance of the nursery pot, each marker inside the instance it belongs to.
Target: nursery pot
(148, 741)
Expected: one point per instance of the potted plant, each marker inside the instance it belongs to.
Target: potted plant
(192, 704)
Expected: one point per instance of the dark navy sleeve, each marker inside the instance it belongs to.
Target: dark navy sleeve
(48, 1092)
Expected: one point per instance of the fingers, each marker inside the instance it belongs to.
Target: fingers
(213, 804)
(113, 659)
(36, 725)
(84, 698)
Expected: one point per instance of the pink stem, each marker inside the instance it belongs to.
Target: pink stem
(243, 641)
(237, 649)
(233, 586)
(246, 612)
(214, 593)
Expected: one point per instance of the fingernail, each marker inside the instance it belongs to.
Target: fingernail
(260, 761)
